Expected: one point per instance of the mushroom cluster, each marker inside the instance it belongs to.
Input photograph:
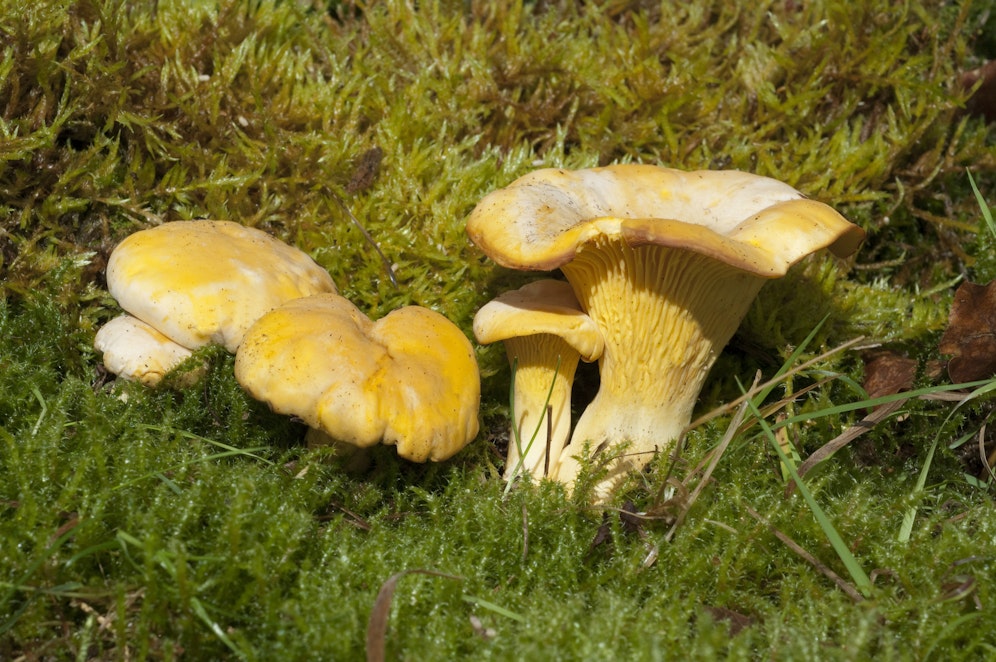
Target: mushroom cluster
(187, 284)
(665, 264)
(410, 379)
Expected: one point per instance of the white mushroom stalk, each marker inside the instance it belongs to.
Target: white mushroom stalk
(545, 334)
(666, 263)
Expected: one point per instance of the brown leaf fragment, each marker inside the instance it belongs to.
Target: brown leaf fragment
(971, 334)
(630, 518)
(737, 622)
(603, 536)
(887, 372)
(983, 99)
(867, 423)
(631, 521)
(365, 171)
(959, 587)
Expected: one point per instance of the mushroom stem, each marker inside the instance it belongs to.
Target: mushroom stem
(545, 335)
(541, 402)
(665, 314)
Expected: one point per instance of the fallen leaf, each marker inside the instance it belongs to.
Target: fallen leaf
(365, 171)
(869, 422)
(970, 338)
(603, 535)
(630, 518)
(631, 521)
(887, 372)
(983, 99)
(957, 587)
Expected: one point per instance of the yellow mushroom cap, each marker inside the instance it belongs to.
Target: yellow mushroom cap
(409, 379)
(541, 307)
(545, 333)
(757, 224)
(202, 282)
(135, 351)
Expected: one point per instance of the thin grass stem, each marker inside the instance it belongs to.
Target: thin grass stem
(858, 576)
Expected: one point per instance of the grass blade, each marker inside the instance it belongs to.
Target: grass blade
(215, 628)
(233, 450)
(731, 431)
(377, 624)
(844, 585)
(987, 214)
(874, 402)
(23, 581)
(782, 374)
(517, 434)
(498, 609)
(857, 574)
(906, 529)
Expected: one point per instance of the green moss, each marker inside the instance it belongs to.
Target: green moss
(171, 533)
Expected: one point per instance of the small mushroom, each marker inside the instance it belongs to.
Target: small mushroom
(545, 333)
(193, 283)
(135, 351)
(409, 379)
(666, 263)
(202, 282)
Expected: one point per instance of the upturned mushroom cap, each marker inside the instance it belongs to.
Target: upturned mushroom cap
(545, 333)
(545, 306)
(202, 282)
(409, 379)
(756, 224)
(666, 263)
(135, 351)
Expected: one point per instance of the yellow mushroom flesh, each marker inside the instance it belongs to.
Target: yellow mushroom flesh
(665, 315)
(202, 282)
(545, 334)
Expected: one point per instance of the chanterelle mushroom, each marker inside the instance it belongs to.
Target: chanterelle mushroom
(545, 333)
(135, 351)
(666, 263)
(202, 282)
(408, 379)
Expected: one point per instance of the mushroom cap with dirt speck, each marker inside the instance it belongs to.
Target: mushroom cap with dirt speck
(760, 225)
(409, 379)
(202, 282)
